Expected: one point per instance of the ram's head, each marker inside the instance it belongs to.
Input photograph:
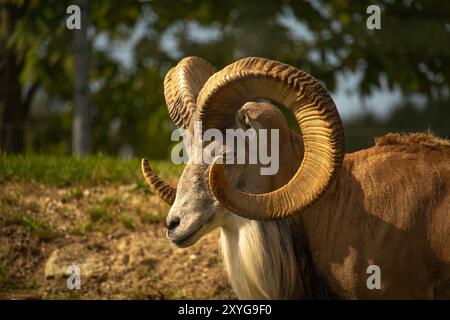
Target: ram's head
(212, 195)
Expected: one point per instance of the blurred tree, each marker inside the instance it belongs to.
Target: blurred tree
(81, 128)
(35, 54)
(324, 38)
(14, 106)
(405, 117)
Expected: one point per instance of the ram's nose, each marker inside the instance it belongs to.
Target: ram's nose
(173, 223)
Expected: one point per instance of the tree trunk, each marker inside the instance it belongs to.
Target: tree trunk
(15, 111)
(81, 129)
(14, 115)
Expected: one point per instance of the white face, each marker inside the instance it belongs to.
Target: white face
(195, 211)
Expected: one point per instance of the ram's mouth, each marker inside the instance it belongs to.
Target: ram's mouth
(188, 239)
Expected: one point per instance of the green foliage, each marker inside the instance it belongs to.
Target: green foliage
(128, 109)
(339, 41)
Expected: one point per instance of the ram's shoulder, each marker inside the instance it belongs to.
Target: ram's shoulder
(396, 148)
(413, 140)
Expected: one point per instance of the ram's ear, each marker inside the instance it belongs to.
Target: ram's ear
(243, 120)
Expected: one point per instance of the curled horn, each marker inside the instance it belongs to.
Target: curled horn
(256, 78)
(181, 87)
(165, 191)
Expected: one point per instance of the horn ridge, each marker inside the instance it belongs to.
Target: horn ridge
(253, 78)
(165, 191)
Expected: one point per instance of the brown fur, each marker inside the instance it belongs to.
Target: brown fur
(426, 139)
(388, 206)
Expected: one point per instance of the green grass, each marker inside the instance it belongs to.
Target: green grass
(39, 228)
(99, 214)
(69, 170)
(109, 201)
(75, 194)
(104, 216)
(127, 222)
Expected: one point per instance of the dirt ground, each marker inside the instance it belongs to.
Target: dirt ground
(114, 234)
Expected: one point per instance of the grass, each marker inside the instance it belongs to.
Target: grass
(70, 170)
(75, 194)
(99, 214)
(109, 201)
(100, 219)
(104, 215)
(67, 295)
(127, 222)
(65, 200)
(9, 201)
(4, 274)
(79, 229)
(12, 212)
(41, 229)
(153, 216)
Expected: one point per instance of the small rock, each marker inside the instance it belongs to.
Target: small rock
(193, 257)
(50, 269)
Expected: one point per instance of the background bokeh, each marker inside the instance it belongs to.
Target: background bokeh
(392, 79)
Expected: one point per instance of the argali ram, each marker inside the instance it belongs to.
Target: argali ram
(311, 230)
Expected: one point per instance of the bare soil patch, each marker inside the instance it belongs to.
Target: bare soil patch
(115, 234)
